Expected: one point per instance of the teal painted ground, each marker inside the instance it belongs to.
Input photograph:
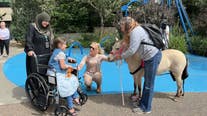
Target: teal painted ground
(14, 70)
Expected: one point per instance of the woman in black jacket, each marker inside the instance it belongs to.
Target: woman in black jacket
(38, 40)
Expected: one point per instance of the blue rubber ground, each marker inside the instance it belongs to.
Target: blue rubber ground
(14, 70)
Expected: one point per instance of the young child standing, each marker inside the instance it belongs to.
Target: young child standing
(66, 85)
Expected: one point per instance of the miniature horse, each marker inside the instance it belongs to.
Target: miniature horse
(172, 60)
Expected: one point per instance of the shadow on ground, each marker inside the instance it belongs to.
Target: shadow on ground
(116, 100)
(19, 94)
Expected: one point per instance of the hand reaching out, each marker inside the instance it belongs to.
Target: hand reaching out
(30, 53)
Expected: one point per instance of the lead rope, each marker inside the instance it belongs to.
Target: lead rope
(118, 63)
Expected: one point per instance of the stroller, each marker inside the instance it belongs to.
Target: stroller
(41, 88)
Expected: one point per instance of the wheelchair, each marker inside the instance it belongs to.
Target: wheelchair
(41, 89)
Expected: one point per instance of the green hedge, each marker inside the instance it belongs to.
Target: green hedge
(178, 42)
(199, 45)
(177, 39)
(87, 38)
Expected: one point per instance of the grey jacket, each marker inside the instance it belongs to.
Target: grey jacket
(138, 35)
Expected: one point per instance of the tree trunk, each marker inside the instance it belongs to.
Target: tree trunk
(102, 26)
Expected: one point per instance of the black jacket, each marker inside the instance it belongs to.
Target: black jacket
(37, 42)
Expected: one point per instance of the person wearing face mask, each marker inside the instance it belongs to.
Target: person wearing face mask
(93, 65)
(38, 40)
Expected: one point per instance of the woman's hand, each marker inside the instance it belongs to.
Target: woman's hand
(118, 57)
(30, 53)
(78, 67)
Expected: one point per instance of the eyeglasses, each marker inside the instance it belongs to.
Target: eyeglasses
(92, 48)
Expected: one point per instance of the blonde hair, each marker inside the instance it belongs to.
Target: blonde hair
(100, 50)
(129, 24)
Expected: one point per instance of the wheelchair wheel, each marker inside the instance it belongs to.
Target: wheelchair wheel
(83, 98)
(36, 91)
(61, 111)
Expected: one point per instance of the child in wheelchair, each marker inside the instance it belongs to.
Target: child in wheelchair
(67, 83)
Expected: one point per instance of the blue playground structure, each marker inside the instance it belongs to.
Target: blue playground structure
(186, 24)
(73, 45)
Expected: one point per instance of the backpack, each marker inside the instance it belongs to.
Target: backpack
(155, 35)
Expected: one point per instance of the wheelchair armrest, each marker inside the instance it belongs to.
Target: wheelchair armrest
(43, 66)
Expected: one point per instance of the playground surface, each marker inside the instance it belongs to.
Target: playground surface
(14, 102)
(113, 75)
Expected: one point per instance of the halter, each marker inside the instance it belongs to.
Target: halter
(118, 52)
(139, 68)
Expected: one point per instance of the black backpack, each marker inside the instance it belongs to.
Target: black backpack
(155, 35)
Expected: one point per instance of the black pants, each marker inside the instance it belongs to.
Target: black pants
(4, 43)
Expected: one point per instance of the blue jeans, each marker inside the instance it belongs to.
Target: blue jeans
(70, 99)
(150, 69)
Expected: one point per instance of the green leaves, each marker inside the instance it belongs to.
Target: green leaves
(177, 39)
(199, 45)
(24, 12)
(178, 42)
(70, 16)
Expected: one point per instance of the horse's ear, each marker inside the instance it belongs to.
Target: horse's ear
(116, 39)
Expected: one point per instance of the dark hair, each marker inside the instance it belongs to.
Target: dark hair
(58, 40)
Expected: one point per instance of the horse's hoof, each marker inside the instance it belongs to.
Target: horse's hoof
(176, 98)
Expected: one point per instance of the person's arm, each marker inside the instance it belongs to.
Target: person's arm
(61, 59)
(51, 39)
(29, 46)
(82, 63)
(135, 40)
(104, 58)
(63, 65)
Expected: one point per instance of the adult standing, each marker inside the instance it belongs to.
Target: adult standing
(166, 32)
(135, 35)
(38, 40)
(4, 38)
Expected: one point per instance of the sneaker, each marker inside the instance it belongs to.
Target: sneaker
(5, 55)
(135, 104)
(139, 111)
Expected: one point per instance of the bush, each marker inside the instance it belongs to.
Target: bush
(178, 42)
(87, 38)
(199, 45)
(70, 16)
(23, 14)
(177, 39)
(108, 44)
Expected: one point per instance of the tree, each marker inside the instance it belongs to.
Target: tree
(197, 11)
(70, 16)
(104, 8)
(24, 12)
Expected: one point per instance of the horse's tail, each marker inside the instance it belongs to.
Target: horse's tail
(185, 71)
(185, 75)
